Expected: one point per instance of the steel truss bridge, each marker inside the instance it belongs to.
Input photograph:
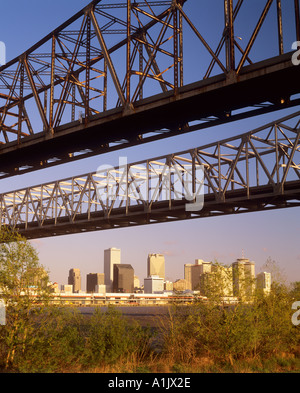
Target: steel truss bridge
(258, 170)
(113, 76)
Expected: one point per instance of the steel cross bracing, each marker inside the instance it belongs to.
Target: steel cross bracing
(254, 171)
(114, 75)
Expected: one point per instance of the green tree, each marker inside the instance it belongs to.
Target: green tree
(295, 290)
(278, 275)
(217, 285)
(257, 326)
(23, 288)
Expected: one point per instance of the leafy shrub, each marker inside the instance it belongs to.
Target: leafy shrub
(58, 342)
(261, 328)
(111, 338)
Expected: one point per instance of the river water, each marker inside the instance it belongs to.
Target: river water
(146, 315)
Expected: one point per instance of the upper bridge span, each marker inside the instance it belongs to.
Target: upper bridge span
(114, 75)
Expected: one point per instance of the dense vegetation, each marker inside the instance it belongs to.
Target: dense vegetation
(197, 338)
(207, 336)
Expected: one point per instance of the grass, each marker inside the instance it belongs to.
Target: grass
(161, 365)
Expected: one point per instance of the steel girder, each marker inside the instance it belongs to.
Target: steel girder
(254, 171)
(113, 76)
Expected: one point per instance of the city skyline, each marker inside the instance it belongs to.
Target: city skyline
(237, 279)
(261, 235)
(190, 270)
(259, 245)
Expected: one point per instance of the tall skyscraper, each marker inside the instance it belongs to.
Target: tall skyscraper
(112, 256)
(123, 278)
(75, 279)
(243, 272)
(188, 274)
(156, 265)
(93, 280)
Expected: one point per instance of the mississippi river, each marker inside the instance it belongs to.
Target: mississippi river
(145, 315)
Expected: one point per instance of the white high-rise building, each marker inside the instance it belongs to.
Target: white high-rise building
(112, 256)
(263, 281)
(153, 284)
(243, 272)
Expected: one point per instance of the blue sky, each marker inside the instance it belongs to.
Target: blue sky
(273, 234)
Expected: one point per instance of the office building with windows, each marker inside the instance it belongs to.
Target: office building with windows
(153, 284)
(123, 280)
(93, 280)
(263, 282)
(193, 272)
(243, 273)
(112, 256)
(75, 280)
(156, 265)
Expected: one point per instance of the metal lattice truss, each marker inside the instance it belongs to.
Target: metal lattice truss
(112, 55)
(258, 170)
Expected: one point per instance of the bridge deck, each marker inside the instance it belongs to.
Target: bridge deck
(255, 171)
(237, 202)
(272, 81)
(74, 73)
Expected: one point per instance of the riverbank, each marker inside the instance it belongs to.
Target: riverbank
(179, 339)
